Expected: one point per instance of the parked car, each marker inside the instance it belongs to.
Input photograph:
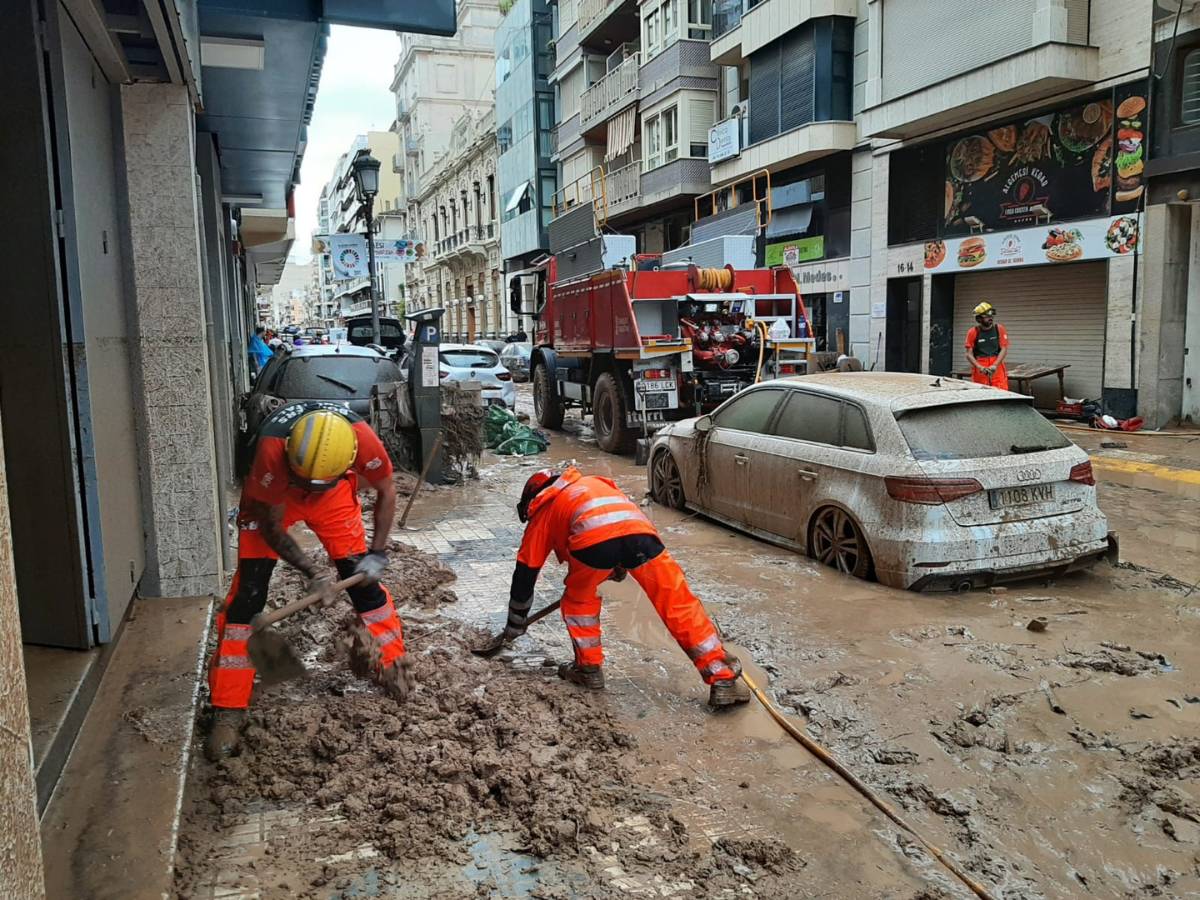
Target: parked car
(341, 373)
(515, 358)
(492, 344)
(360, 332)
(472, 362)
(922, 482)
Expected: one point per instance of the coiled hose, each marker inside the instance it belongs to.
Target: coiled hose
(714, 280)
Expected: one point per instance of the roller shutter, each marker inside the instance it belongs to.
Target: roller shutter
(1054, 315)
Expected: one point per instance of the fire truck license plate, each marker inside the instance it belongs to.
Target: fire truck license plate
(650, 386)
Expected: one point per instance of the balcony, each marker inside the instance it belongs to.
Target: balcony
(610, 94)
(412, 146)
(683, 63)
(792, 148)
(623, 188)
(1013, 54)
(1026, 77)
(566, 135)
(397, 162)
(742, 26)
(607, 23)
(402, 111)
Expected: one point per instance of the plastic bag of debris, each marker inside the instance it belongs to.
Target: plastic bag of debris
(503, 433)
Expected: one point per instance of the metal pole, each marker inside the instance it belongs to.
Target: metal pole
(378, 337)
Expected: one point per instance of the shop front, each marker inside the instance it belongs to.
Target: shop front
(1041, 217)
(809, 231)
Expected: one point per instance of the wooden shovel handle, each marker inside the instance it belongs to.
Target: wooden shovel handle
(270, 618)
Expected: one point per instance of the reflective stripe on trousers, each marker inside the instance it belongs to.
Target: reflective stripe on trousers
(387, 630)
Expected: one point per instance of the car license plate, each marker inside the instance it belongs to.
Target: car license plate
(648, 386)
(658, 401)
(1002, 498)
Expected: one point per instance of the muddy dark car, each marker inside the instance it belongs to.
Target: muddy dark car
(360, 332)
(340, 373)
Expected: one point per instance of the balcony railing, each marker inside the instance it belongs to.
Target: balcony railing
(623, 187)
(397, 162)
(606, 96)
(589, 11)
(411, 147)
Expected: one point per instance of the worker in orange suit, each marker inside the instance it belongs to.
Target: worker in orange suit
(987, 347)
(589, 523)
(307, 462)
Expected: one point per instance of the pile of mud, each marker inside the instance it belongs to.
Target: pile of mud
(478, 747)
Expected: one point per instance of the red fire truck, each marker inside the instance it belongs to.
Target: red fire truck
(642, 344)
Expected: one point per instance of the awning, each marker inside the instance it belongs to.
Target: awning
(515, 198)
(791, 220)
(622, 132)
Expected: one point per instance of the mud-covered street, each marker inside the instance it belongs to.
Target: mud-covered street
(1053, 763)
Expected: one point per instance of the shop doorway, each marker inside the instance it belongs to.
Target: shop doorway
(902, 349)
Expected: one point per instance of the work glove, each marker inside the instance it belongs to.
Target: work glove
(372, 567)
(321, 582)
(618, 574)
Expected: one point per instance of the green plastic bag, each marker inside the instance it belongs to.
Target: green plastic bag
(503, 433)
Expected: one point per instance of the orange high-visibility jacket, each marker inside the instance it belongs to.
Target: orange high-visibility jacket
(578, 511)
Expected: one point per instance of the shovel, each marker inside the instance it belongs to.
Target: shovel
(497, 644)
(269, 650)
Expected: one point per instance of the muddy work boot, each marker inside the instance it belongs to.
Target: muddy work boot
(729, 692)
(225, 736)
(590, 677)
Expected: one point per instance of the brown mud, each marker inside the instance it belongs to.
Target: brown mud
(1059, 763)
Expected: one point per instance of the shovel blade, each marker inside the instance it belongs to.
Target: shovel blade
(273, 657)
(491, 649)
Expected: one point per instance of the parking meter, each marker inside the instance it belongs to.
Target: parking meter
(424, 380)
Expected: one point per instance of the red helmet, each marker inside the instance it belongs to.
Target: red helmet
(538, 482)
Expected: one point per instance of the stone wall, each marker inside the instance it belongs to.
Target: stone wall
(172, 394)
(20, 842)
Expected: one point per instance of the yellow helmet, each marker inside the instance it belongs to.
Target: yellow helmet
(321, 446)
(985, 309)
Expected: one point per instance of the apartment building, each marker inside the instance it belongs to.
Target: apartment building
(526, 176)
(636, 94)
(338, 211)
(460, 270)
(1169, 364)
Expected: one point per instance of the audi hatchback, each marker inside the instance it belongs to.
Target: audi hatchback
(919, 481)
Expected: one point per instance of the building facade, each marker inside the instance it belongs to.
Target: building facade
(526, 175)
(457, 207)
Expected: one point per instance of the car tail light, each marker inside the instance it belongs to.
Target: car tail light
(930, 491)
(504, 376)
(656, 373)
(1082, 473)
(445, 373)
(787, 370)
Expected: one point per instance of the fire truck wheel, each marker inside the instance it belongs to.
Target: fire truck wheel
(608, 416)
(547, 405)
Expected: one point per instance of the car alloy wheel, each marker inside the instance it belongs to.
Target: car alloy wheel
(838, 542)
(666, 484)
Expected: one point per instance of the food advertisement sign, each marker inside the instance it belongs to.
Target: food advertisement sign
(1078, 162)
(1092, 239)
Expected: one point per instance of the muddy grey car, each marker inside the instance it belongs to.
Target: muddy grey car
(918, 481)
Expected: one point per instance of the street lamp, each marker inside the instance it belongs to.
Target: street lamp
(366, 186)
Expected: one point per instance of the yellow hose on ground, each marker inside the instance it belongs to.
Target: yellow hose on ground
(828, 759)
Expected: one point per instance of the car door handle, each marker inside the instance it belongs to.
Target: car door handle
(741, 460)
(806, 474)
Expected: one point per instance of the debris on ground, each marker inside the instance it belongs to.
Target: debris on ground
(505, 434)
(462, 427)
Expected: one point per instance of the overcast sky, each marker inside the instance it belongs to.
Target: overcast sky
(354, 97)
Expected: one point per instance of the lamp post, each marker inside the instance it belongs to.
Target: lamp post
(366, 186)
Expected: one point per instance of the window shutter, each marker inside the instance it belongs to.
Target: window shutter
(1189, 93)
(764, 93)
(700, 119)
(796, 80)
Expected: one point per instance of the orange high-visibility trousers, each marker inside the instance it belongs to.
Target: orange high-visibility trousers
(665, 585)
(335, 516)
(998, 379)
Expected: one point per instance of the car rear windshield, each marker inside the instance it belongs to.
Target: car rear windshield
(469, 359)
(386, 330)
(334, 377)
(978, 430)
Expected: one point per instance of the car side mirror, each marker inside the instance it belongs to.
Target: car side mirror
(704, 424)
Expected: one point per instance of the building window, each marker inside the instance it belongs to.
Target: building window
(1189, 92)
(492, 197)
(661, 137)
(699, 20)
